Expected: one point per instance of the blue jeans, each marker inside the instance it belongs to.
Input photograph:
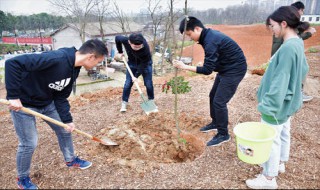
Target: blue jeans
(25, 126)
(223, 89)
(147, 79)
(280, 149)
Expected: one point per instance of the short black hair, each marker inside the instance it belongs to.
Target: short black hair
(299, 5)
(192, 22)
(136, 38)
(94, 46)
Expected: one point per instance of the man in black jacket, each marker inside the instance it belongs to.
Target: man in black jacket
(222, 55)
(140, 63)
(43, 82)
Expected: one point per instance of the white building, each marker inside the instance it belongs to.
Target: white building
(69, 35)
(314, 19)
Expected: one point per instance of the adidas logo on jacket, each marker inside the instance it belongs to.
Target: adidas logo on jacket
(59, 85)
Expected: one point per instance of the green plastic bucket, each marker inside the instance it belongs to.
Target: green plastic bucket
(254, 141)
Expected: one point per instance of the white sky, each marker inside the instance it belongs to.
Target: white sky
(27, 7)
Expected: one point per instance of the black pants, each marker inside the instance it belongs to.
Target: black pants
(223, 89)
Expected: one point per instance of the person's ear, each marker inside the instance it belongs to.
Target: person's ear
(284, 24)
(91, 56)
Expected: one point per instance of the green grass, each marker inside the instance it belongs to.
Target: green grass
(313, 50)
(191, 74)
(2, 75)
(96, 81)
(186, 43)
(264, 66)
(4, 48)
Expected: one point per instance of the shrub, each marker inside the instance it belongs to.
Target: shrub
(313, 50)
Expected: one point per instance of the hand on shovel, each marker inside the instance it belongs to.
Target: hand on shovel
(15, 104)
(69, 126)
(134, 79)
(72, 126)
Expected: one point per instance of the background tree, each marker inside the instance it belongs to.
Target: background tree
(78, 9)
(157, 15)
(3, 22)
(120, 17)
(100, 10)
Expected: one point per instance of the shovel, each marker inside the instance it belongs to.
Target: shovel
(147, 106)
(104, 140)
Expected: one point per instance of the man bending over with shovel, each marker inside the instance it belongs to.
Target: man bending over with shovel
(43, 82)
(140, 63)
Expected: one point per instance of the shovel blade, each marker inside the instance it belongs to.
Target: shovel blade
(149, 107)
(105, 141)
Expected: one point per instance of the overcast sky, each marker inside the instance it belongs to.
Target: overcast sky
(27, 7)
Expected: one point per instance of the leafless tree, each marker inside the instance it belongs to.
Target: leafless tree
(100, 10)
(79, 9)
(120, 17)
(157, 15)
(169, 39)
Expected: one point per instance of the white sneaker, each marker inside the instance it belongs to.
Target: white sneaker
(306, 98)
(282, 168)
(123, 106)
(261, 182)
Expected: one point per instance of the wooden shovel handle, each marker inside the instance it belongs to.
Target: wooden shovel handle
(131, 74)
(29, 111)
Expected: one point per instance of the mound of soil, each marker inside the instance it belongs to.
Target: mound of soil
(153, 138)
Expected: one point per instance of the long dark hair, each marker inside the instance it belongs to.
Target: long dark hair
(289, 14)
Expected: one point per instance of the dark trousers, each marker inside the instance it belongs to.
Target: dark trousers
(223, 89)
(147, 79)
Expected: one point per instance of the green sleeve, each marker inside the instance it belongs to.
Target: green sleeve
(273, 99)
(305, 35)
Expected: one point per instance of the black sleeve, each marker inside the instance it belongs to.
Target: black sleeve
(16, 66)
(119, 41)
(61, 102)
(63, 107)
(211, 57)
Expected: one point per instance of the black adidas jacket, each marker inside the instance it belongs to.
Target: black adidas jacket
(39, 79)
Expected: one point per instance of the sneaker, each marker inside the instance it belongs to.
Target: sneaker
(123, 106)
(282, 168)
(25, 183)
(261, 182)
(209, 127)
(218, 139)
(306, 98)
(78, 163)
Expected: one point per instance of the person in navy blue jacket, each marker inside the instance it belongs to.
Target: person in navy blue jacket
(43, 82)
(140, 63)
(224, 56)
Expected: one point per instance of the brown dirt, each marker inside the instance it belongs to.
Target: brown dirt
(150, 154)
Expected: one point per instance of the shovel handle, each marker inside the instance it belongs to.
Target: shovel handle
(131, 74)
(29, 111)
